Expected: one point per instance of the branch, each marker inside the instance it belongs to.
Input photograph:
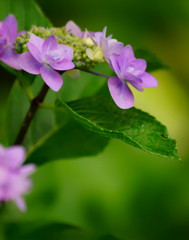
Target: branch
(94, 73)
(30, 114)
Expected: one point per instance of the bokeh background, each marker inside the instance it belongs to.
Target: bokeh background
(124, 191)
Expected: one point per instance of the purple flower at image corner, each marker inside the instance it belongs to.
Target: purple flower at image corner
(128, 70)
(45, 57)
(8, 35)
(14, 181)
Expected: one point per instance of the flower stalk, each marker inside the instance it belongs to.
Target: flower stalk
(35, 103)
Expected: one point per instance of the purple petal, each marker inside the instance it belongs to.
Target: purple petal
(67, 51)
(132, 78)
(22, 32)
(34, 52)
(115, 46)
(36, 41)
(137, 67)
(63, 65)
(74, 29)
(126, 56)
(9, 27)
(120, 93)
(28, 63)
(49, 44)
(110, 47)
(114, 64)
(135, 85)
(52, 78)
(60, 53)
(20, 203)
(98, 35)
(148, 80)
(11, 58)
(27, 169)
(15, 156)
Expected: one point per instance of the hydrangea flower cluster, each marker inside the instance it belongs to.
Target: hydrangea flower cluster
(51, 51)
(14, 181)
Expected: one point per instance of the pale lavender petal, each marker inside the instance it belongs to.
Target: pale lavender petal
(74, 29)
(110, 47)
(49, 44)
(126, 56)
(15, 156)
(114, 65)
(148, 80)
(22, 32)
(20, 203)
(67, 51)
(98, 36)
(115, 46)
(137, 67)
(132, 78)
(135, 85)
(3, 178)
(104, 31)
(9, 27)
(34, 52)
(52, 78)
(63, 65)
(120, 93)
(60, 53)
(36, 41)
(27, 170)
(10, 58)
(28, 63)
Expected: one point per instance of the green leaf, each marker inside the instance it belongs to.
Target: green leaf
(51, 231)
(68, 141)
(50, 129)
(132, 126)
(27, 13)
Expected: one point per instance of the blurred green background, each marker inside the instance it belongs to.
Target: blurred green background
(123, 191)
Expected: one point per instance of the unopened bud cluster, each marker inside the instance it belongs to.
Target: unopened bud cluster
(79, 45)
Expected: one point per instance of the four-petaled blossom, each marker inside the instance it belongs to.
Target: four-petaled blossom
(131, 70)
(8, 35)
(46, 56)
(108, 45)
(14, 181)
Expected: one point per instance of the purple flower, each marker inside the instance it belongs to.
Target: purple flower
(108, 45)
(8, 35)
(14, 180)
(46, 56)
(128, 70)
